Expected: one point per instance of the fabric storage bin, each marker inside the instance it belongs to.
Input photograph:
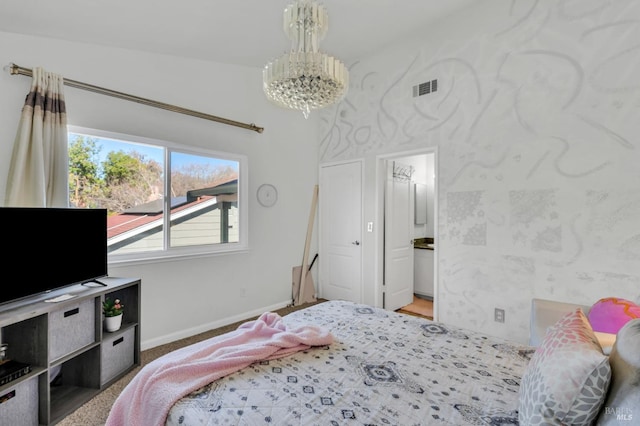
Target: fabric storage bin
(117, 354)
(19, 404)
(71, 328)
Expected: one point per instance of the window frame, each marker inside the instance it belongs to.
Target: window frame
(167, 252)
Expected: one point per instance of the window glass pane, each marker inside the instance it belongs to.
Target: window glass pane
(129, 176)
(204, 200)
(126, 178)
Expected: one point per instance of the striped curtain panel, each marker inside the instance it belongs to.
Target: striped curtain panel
(38, 170)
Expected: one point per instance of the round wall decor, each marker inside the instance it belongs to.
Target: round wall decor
(267, 195)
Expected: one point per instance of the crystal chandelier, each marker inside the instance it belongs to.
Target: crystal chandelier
(305, 78)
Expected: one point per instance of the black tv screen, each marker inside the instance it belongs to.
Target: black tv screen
(57, 247)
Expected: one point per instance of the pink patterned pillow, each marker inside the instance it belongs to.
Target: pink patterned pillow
(610, 314)
(567, 379)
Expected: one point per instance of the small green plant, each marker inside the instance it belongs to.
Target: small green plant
(112, 308)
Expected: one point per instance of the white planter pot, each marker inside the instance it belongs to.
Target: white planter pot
(113, 323)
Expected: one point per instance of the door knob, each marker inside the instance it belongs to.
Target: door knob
(356, 242)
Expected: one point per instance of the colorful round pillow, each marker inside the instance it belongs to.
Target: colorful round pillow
(610, 314)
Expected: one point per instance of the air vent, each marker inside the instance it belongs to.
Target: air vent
(425, 88)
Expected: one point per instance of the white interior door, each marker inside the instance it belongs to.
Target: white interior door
(340, 199)
(398, 245)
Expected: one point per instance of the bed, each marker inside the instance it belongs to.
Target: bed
(384, 368)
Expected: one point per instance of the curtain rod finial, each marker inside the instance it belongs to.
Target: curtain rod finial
(12, 68)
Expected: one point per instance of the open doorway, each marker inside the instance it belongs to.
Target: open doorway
(416, 231)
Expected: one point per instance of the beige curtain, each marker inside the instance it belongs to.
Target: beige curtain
(38, 170)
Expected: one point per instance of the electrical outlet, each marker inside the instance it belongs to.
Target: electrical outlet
(498, 315)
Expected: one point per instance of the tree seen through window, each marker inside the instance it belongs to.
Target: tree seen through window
(128, 179)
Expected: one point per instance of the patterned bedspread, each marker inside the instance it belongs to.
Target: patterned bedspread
(384, 368)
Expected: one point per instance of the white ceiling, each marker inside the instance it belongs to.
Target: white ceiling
(244, 32)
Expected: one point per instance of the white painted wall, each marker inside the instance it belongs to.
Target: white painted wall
(536, 126)
(535, 120)
(424, 166)
(430, 181)
(419, 164)
(184, 297)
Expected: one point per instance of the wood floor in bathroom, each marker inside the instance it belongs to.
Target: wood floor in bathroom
(420, 307)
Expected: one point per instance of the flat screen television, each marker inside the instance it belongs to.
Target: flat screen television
(56, 247)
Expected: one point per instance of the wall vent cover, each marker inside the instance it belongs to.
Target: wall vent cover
(425, 88)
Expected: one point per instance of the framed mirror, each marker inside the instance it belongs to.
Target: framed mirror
(420, 204)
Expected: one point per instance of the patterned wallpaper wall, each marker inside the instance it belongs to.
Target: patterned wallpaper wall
(537, 122)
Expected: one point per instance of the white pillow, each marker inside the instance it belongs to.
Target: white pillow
(624, 393)
(567, 379)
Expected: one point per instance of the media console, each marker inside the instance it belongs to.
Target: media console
(71, 356)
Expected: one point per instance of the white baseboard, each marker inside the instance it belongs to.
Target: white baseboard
(423, 295)
(172, 337)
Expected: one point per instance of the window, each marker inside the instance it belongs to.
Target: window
(162, 199)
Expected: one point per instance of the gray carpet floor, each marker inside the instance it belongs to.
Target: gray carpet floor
(96, 410)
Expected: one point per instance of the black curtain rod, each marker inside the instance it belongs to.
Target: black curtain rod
(15, 70)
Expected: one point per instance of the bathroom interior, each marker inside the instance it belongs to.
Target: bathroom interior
(422, 167)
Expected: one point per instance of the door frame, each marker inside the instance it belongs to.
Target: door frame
(319, 225)
(379, 218)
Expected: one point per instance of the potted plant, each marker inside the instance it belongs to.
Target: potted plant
(112, 310)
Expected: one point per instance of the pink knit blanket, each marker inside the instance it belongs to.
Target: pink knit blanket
(147, 399)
